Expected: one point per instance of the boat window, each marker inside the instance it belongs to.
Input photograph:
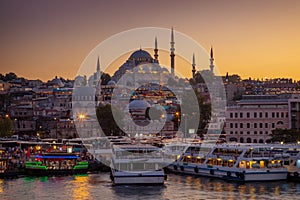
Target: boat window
(138, 166)
(286, 162)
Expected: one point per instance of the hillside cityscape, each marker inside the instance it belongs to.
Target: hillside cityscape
(257, 110)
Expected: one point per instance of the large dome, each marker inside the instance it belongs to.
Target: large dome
(140, 54)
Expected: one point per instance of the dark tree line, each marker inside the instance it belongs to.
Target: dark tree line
(6, 127)
(107, 120)
(8, 77)
(285, 135)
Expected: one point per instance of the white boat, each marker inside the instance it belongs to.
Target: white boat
(290, 154)
(137, 164)
(231, 162)
(172, 150)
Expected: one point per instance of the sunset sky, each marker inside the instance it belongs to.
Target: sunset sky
(258, 38)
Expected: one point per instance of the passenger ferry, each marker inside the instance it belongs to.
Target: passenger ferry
(137, 164)
(231, 162)
(290, 154)
(171, 150)
(56, 163)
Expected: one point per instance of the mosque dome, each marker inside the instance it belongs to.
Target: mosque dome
(56, 82)
(138, 105)
(111, 82)
(140, 54)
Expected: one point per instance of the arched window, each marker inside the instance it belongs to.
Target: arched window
(261, 141)
(255, 141)
(248, 140)
(280, 123)
(241, 140)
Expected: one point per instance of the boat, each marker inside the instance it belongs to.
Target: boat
(290, 154)
(137, 164)
(9, 167)
(230, 162)
(56, 163)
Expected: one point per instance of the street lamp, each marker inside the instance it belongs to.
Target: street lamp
(177, 114)
(185, 127)
(81, 116)
(162, 117)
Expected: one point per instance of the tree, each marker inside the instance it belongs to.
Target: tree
(105, 78)
(6, 126)
(2, 77)
(234, 78)
(285, 135)
(107, 121)
(238, 95)
(10, 76)
(188, 104)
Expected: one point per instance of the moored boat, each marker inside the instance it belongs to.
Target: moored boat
(137, 164)
(56, 164)
(9, 167)
(290, 154)
(231, 162)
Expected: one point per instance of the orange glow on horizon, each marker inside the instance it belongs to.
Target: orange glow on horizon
(250, 38)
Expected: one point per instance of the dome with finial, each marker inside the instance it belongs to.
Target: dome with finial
(140, 54)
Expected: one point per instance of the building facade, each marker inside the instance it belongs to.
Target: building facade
(253, 119)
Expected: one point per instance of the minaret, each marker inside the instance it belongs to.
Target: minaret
(211, 60)
(98, 65)
(98, 82)
(226, 77)
(194, 66)
(172, 55)
(97, 75)
(155, 50)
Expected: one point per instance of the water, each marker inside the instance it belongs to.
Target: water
(99, 186)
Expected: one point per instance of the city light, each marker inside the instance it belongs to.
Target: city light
(81, 116)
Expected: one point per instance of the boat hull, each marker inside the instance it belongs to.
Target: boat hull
(293, 176)
(144, 178)
(5, 175)
(233, 175)
(41, 172)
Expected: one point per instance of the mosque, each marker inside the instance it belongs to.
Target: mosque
(138, 70)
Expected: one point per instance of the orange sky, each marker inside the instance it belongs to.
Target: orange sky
(41, 39)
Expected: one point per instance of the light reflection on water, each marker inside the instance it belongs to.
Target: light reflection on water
(99, 186)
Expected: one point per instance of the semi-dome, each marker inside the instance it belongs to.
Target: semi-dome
(140, 54)
(151, 68)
